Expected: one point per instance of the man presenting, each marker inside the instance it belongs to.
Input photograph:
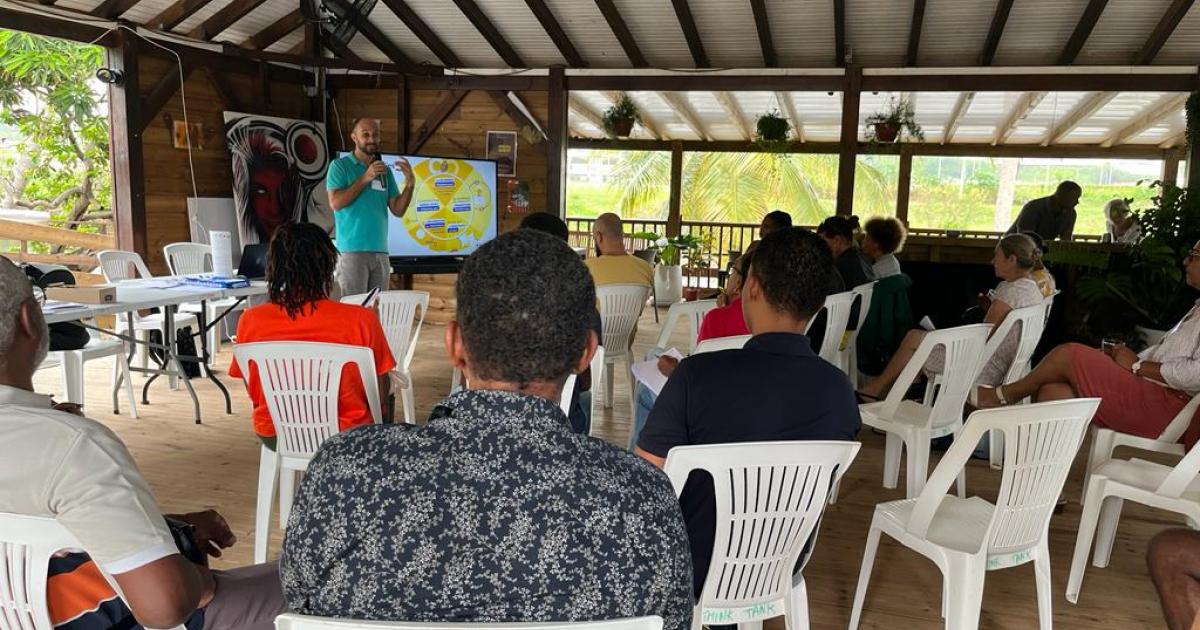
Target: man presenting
(1052, 217)
(362, 189)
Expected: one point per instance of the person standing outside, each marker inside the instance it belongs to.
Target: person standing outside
(362, 190)
(1051, 217)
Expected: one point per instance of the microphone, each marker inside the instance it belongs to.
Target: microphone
(382, 178)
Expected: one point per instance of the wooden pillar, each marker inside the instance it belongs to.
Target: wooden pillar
(1170, 169)
(556, 144)
(674, 205)
(125, 146)
(314, 108)
(904, 184)
(264, 88)
(403, 111)
(1193, 165)
(848, 151)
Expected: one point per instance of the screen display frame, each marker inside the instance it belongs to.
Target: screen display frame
(495, 203)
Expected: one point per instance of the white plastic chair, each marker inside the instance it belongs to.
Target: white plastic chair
(848, 353)
(837, 309)
(913, 424)
(620, 307)
(300, 381)
(73, 362)
(292, 621)
(596, 367)
(26, 545)
(694, 312)
(966, 538)
(401, 313)
(1174, 489)
(716, 344)
(1032, 320)
(770, 497)
(117, 266)
(191, 258)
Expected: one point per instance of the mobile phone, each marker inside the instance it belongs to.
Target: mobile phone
(370, 296)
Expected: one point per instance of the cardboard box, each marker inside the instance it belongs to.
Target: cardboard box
(93, 294)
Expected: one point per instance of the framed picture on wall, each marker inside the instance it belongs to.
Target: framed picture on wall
(502, 147)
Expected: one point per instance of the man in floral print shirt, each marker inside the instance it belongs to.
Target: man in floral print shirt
(494, 511)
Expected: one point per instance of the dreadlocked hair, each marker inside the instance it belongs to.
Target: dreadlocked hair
(300, 264)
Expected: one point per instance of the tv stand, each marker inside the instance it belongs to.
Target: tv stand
(409, 267)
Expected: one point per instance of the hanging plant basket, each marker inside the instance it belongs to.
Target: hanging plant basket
(619, 119)
(771, 132)
(887, 131)
(894, 123)
(622, 127)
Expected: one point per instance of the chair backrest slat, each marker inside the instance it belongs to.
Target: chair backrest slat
(117, 265)
(401, 313)
(26, 545)
(620, 307)
(188, 258)
(837, 309)
(1030, 321)
(694, 312)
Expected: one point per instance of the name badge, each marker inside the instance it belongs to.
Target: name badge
(377, 185)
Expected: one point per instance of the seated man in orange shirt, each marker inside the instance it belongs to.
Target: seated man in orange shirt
(300, 264)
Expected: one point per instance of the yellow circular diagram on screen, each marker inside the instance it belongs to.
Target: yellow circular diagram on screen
(452, 205)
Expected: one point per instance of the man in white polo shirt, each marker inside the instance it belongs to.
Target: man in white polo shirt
(59, 464)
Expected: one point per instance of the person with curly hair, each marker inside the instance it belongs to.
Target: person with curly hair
(883, 238)
(775, 388)
(495, 510)
(300, 265)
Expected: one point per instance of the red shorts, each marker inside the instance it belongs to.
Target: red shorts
(1129, 404)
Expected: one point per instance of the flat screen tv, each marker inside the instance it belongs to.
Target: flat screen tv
(453, 209)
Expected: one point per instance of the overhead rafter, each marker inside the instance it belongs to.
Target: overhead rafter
(995, 32)
(759, 7)
(434, 120)
(612, 15)
(338, 48)
(1081, 112)
(1025, 104)
(110, 9)
(175, 14)
(556, 33)
(419, 28)
(686, 22)
(734, 111)
(1173, 141)
(224, 18)
(1087, 22)
(680, 106)
(789, 110)
(1170, 19)
(166, 87)
(228, 96)
(367, 29)
(643, 121)
(956, 114)
(839, 33)
(1155, 112)
(518, 112)
(585, 112)
(914, 32)
(484, 25)
(275, 31)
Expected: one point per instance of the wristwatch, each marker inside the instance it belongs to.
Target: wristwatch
(1136, 367)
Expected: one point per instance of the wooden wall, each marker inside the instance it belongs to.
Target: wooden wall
(168, 177)
(463, 134)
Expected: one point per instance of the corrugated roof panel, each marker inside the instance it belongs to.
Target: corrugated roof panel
(877, 32)
(287, 42)
(585, 26)
(1054, 107)
(404, 39)
(1122, 110)
(457, 32)
(1037, 31)
(260, 18)
(1121, 31)
(954, 32)
(653, 109)
(730, 37)
(524, 33)
(818, 108)
(1184, 42)
(657, 32)
(986, 111)
(79, 5)
(755, 104)
(143, 11)
(365, 49)
(197, 18)
(802, 31)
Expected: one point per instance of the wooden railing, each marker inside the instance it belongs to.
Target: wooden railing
(723, 241)
(84, 243)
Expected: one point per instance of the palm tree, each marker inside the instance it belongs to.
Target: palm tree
(741, 187)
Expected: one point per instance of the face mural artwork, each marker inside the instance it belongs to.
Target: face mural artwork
(279, 169)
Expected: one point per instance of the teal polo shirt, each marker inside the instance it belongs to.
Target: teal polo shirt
(361, 226)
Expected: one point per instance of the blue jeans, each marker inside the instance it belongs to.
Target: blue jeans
(645, 402)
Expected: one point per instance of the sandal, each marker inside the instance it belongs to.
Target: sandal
(973, 397)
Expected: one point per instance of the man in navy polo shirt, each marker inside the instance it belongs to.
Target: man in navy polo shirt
(776, 388)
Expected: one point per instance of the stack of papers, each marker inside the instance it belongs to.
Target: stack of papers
(52, 306)
(648, 374)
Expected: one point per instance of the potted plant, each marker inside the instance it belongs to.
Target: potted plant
(894, 122)
(771, 132)
(669, 253)
(618, 119)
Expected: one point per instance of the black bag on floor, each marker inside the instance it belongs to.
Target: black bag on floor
(63, 335)
(185, 346)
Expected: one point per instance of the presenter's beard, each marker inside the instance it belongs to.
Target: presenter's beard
(370, 149)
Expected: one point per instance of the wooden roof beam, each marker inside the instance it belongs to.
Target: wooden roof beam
(734, 111)
(484, 25)
(914, 32)
(434, 120)
(1020, 110)
(680, 106)
(1152, 114)
(224, 18)
(1081, 112)
(789, 110)
(1087, 22)
(839, 33)
(995, 32)
(367, 29)
(686, 22)
(763, 25)
(556, 33)
(112, 9)
(176, 14)
(1174, 141)
(960, 108)
(585, 112)
(645, 122)
(275, 31)
(612, 15)
(401, 10)
(1170, 19)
